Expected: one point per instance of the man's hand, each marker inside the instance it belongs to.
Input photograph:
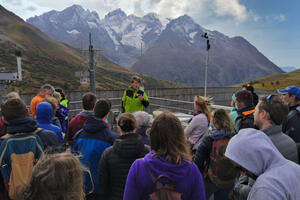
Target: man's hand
(141, 97)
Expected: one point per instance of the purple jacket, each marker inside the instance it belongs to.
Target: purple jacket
(185, 175)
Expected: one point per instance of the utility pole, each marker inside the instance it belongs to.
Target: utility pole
(83, 75)
(141, 49)
(207, 37)
(91, 62)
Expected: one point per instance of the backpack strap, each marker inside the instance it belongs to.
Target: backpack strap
(152, 176)
(149, 171)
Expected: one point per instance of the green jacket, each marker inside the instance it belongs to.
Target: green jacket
(130, 101)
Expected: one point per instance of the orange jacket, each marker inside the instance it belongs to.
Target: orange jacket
(34, 103)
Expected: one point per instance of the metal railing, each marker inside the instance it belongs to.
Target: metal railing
(173, 105)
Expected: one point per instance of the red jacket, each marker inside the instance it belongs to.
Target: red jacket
(77, 123)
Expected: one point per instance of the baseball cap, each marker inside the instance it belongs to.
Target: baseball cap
(292, 89)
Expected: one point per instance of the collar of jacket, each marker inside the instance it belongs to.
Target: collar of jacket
(246, 111)
(130, 88)
(272, 130)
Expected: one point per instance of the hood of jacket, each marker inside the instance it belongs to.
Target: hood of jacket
(44, 113)
(253, 150)
(22, 125)
(93, 125)
(158, 165)
(219, 134)
(129, 146)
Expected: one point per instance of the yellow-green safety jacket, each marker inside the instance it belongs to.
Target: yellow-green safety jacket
(130, 101)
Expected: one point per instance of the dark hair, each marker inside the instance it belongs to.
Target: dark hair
(13, 108)
(221, 120)
(56, 176)
(61, 92)
(276, 108)
(88, 101)
(102, 107)
(250, 88)
(167, 138)
(245, 97)
(127, 122)
(135, 78)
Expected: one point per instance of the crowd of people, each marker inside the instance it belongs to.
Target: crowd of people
(249, 153)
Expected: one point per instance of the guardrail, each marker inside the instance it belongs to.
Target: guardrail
(155, 103)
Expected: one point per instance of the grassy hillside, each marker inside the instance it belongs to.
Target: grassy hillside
(48, 61)
(276, 81)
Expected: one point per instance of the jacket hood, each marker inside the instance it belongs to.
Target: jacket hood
(93, 125)
(129, 146)
(22, 125)
(158, 165)
(219, 134)
(253, 150)
(44, 113)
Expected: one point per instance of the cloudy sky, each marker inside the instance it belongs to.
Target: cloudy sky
(273, 26)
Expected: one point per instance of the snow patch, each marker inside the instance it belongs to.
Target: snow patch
(92, 24)
(192, 34)
(134, 38)
(74, 32)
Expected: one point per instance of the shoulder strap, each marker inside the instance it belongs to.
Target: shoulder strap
(149, 171)
(152, 176)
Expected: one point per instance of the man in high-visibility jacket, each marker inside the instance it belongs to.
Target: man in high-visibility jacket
(134, 99)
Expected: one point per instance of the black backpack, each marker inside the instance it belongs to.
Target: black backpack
(162, 191)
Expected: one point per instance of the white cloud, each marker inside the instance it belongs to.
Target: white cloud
(201, 9)
(231, 8)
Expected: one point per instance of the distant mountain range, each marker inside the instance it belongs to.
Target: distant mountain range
(288, 68)
(121, 37)
(45, 60)
(171, 49)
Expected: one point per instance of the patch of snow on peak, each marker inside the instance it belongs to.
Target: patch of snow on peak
(192, 34)
(74, 32)
(92, 24)
(134, 38)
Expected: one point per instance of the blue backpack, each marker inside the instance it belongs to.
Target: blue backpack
(19, 152)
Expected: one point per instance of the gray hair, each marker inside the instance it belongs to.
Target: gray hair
(56, 94)
(143, 118)
(47, 87)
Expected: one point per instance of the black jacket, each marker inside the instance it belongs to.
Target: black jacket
(291, 125)
(116, 162)
(142, 131)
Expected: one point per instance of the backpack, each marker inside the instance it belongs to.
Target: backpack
(162, 191)
(220, 169)
(19, 152)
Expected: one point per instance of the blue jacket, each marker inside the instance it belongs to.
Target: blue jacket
(44, 114)
(90, 142)
(29, 125)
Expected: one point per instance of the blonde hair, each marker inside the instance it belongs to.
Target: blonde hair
(204, 105)
(53, 102)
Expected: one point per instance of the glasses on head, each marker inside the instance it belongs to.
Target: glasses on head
(268, 99)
